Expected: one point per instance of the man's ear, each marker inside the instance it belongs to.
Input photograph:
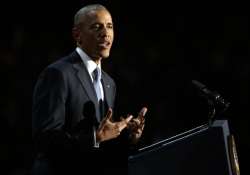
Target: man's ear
(76, 34)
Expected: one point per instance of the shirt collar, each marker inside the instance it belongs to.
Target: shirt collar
(89, 63)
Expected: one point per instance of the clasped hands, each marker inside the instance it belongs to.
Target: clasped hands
(108, 129)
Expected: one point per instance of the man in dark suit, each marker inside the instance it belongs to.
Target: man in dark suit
(73, 127)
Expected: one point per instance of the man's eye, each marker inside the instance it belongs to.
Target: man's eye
(110, 26)
(96, 27)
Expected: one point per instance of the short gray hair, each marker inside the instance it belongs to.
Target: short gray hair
(85, 10)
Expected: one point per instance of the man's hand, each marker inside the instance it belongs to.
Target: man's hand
(136, 126)
(109, 129)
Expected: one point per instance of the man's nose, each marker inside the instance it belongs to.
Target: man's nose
(105, 33)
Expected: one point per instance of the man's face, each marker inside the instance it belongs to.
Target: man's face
(96, 34)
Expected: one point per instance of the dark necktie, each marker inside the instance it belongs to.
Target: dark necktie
(97, 83)
(98, 90)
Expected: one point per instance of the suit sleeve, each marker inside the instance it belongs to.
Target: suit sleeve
(49, 111)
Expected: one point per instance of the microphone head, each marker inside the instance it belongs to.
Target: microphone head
(213, 96)
(198, 84)
(88, 120)
(89, 109)
(204, 91)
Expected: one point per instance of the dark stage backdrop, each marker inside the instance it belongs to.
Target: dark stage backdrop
(158, 49)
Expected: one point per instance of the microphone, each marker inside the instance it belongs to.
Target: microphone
(88, 119)
(89, 112)
(213, 96)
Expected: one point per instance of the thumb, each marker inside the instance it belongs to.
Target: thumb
(143, 111)
(123, 124)
(106, 119)
(108, 115)
(122, 118)
(128, 118)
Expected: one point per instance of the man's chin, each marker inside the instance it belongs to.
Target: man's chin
(104, 54)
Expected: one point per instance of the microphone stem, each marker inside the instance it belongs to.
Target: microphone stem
(211, 113)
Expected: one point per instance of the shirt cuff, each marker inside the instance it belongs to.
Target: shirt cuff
(96, 144)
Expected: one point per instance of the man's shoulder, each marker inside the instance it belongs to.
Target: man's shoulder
(63, 64)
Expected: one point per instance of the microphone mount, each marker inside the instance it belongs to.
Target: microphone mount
(216, 103)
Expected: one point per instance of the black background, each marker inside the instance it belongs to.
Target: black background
(158, 49)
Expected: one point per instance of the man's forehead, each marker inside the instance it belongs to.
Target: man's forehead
(99, 14)
(96, 15)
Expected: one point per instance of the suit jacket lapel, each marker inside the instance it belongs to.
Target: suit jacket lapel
(84, 78)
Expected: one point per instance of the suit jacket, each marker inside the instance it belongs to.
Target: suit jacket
(65, 109)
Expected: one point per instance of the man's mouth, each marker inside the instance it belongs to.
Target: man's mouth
(104, 44)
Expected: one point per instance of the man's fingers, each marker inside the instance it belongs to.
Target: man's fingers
(108, 115)
(142, 121)
(106, 118)
(122, 118)
(143, 111)
(142, 126)
(128, 118)
(139, 124)
(123, 124)
(136, 121)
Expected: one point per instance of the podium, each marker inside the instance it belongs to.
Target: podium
(200, 151)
